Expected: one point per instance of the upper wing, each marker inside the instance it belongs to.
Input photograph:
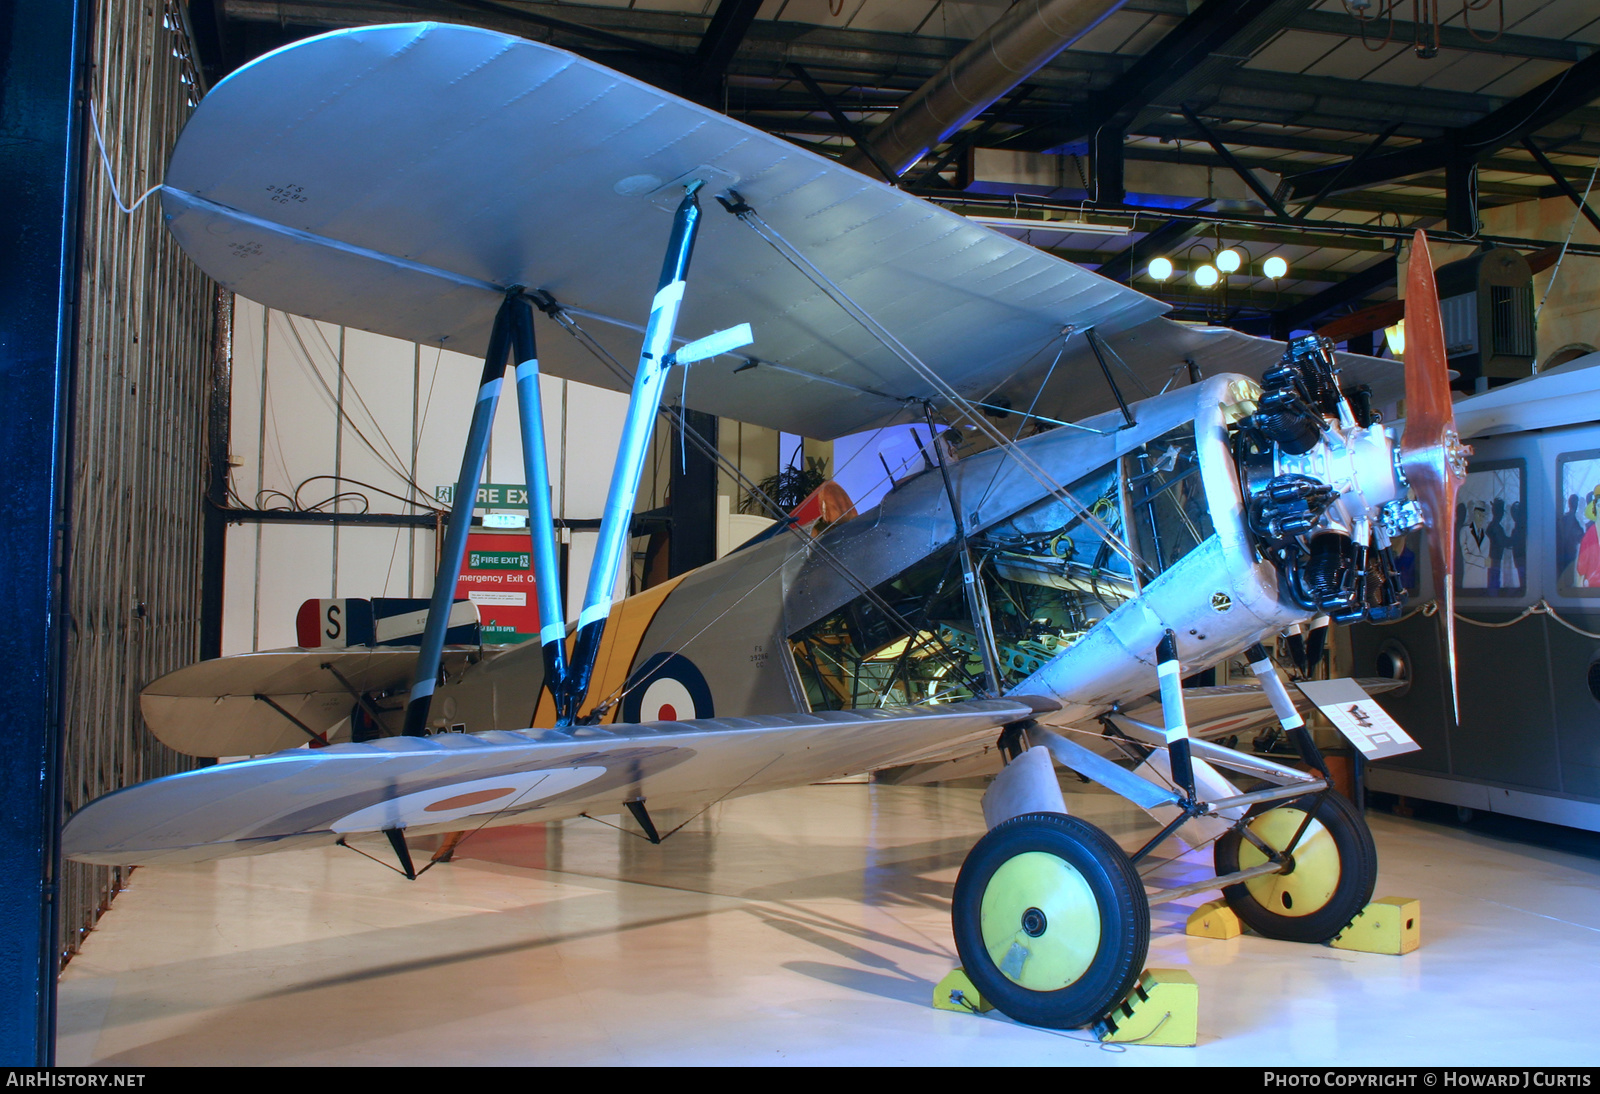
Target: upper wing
(401, 178)
(453, 781)
(1147, 358)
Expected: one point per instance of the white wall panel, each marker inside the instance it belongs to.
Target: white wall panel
(553, 393)
(449, 388)
(296, 566)
(580, 558)
(249, 358)
(505, 443)
(239, 590)
(302, 370)
(374, 561)
(424, 561)
(594, 427)
(375, 432)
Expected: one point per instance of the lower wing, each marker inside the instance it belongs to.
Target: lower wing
(1231, 709)
(1212, 712)
(448, 782)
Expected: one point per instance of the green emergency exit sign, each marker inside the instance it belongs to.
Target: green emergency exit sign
(498, 560)
(491, 495)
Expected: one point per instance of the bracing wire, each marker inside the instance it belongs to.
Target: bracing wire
(396, 468)
(963, 406)
(1550, 286)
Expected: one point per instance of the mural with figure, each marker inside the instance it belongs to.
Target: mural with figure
(1577, 540)
(1492, 530)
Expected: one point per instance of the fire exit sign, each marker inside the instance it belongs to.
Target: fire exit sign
(491, 495)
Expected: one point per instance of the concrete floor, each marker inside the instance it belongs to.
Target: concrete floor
(802, 927)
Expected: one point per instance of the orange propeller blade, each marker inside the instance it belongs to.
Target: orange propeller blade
(1431, 453)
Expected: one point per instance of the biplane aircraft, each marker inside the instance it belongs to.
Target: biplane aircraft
(1035, 603)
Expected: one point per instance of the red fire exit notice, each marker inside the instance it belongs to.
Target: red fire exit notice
(497, 576)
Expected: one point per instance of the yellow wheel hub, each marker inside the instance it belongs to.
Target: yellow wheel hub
(1040, 921)
(1316, 864)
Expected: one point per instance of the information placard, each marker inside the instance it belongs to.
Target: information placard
(1356, 715)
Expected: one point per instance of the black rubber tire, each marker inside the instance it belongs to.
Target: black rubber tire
(1124, 916)
(1358, 873)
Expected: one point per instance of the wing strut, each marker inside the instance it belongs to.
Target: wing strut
(546, 566)
(1094, 344)
(513, 330)
(655, 361)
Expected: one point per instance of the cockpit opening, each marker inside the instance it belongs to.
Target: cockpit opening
(1049, 573)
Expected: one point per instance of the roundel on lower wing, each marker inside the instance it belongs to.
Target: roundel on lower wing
(667, 688)
(475, 798)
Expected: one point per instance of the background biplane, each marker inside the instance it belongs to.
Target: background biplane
(443, 184)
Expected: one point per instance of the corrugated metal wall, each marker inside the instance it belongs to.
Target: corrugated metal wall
(144, 358)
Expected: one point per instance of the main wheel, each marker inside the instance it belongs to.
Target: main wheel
(1050, 920)
(1334, 868)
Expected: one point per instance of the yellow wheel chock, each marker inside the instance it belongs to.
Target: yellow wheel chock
(1391, 924)
(955, 992)
(1214, 919)
(1162, 1009)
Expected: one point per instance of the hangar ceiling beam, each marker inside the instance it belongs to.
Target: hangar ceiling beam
(1353, 161)
(1336, 24)
(888, 62)
(1557, 97)
(1182, 49)
(1287, 142)
(845, 124)
(1334, 99)
(1561, 182)
(1351, 106)
(807, 123)
(582, 30)
(1027, 37)
(1505, 191)
(1168, 236)
(1225, 66)
(1238, 168)
(973, 136)
(1461, 194)
(1106, 159)
(726, 31)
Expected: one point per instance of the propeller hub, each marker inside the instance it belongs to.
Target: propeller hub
(1456, 453)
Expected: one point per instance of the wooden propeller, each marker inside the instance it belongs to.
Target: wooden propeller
(1431, 453)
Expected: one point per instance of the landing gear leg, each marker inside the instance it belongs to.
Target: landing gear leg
(1333, 863)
